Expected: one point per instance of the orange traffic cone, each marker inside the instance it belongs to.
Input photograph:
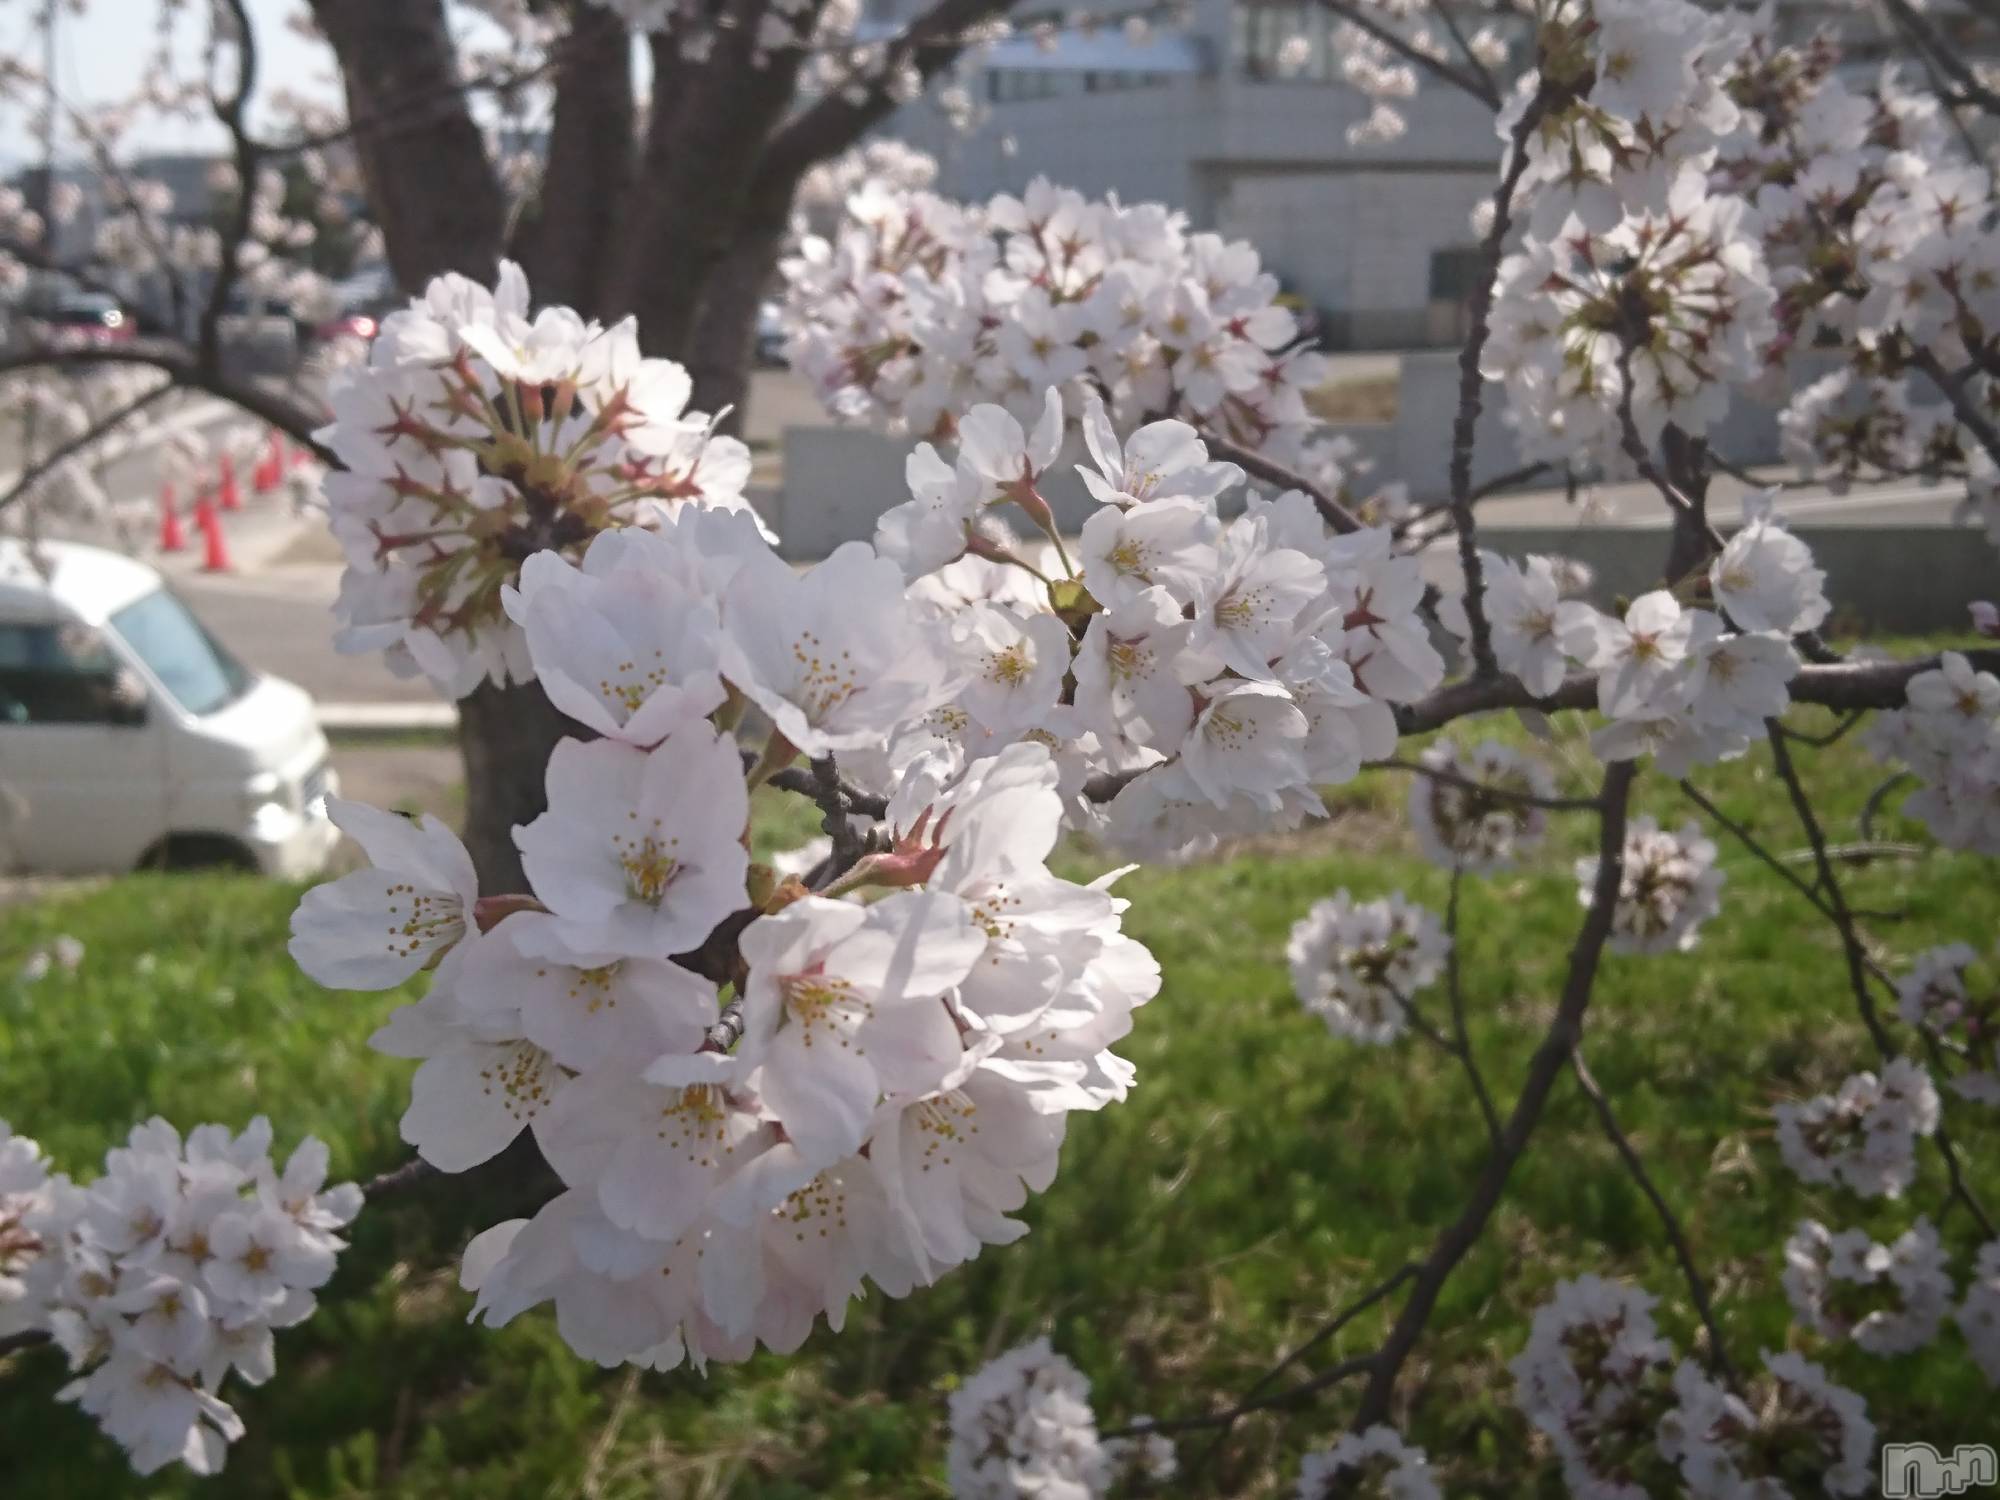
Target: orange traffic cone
(228, 495)
(270, 468)
(215, 552)
(172, 538)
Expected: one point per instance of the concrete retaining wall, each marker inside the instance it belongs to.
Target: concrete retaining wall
(838, 480)
(1881, 578)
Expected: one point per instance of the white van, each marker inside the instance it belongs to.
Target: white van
(130, 738)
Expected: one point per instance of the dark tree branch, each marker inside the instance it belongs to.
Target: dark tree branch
(1975, 421)
(837, 119)
(1256, 1399)
(1944, 57)
(1465, 422)
(707, 132)
(1550, 1058)
(266, 400)
(1484, 788)
(434, 192)
(565, 243)
(805, 783)
(1841, 686)
(40, 468)
(1257, 466)
(831, 798)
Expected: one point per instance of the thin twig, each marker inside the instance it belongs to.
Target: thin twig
(1472, 784)
(1833, 736)
(1458, 1027)
(1718, 1354)
(1480, 84)
(1858, 961)
(1331, 1375)
(1873, 806)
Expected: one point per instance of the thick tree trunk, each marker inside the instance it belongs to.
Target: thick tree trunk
(567, 238)
(505, 736)
(431, 187)
(722, 348)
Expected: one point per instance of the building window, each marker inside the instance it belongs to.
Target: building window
(1260, 29)
(1023, 85)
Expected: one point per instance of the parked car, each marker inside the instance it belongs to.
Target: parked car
(79, 320)
(259, 336)
(347, 325)
(131, 738)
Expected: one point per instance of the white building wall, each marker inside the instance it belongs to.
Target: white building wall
(1138, 143)
(1357, 244)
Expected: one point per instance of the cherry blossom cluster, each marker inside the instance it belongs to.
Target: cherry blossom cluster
(1383, 73)
(476, 436)
(1890, 1299)
(1375, 1463)
(167, 1274)
(1869, 215)
(1359, 965)
(1022, 1424)
(48, 415)
(1479, 813)
(919, 308)
(1941, 995)
(1627, 1421)
(1724, 1444)
(904, 1066)
(1638, 294)
(1978, 1315)
(1707, 204)
(1668, 886)
(62, 952)
(1218, 671)
(1864, 1135)
(1687, 686)
(1948, 736)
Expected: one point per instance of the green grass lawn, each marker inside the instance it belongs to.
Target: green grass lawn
(1260, 1175)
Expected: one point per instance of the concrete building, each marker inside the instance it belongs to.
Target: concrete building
(1377, 237)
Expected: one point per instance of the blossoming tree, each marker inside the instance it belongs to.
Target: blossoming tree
(743, 101)
(760, 1093)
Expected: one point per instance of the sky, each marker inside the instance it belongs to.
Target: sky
(100, 56)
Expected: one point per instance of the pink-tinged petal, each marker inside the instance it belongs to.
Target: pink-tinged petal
(467, 1105)
(823, 1094)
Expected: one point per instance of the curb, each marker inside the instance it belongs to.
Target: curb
(357, 721)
